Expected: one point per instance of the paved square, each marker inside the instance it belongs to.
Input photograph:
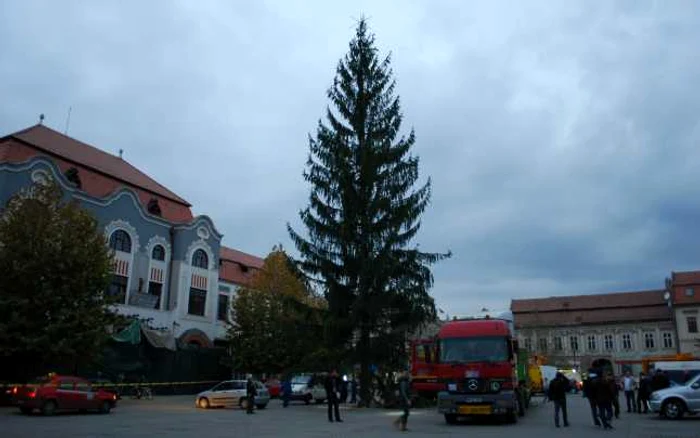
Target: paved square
(178, 417)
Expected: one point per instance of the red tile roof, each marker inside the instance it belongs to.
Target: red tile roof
(101, 173)
(598, 316)
(238, 267)
(688, 278)
(596, 301)
(591, 309)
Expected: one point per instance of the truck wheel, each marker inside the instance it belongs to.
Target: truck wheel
(450, 419)
(512, 416)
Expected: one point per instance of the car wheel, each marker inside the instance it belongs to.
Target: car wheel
(49, 407)
(673, 409)
(105, 407)
(25, 410)
(261, 406)
(450, 419)
(203, 403)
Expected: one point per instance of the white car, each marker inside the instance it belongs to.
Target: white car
(675, 401)
(232, 393)
(303, 389)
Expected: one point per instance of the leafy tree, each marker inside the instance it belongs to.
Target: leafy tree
(276, 320)
(54, 268)
(364, 213)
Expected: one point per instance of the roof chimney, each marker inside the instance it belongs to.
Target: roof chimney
(121, 152)
(41, 119)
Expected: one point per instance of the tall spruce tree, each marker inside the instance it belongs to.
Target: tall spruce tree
(364, 213)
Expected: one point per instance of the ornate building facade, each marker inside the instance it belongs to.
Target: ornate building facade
(575, 330)
(170, 266)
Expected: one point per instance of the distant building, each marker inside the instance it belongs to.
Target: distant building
(170, 266)
(685, 294)
(575, 330)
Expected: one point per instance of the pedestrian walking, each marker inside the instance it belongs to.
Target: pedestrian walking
(404, 401)
(604, 393)
(286, 389)
(332, 387)
(343, 390)
(630, 385)
(557, 394)
(643, 394)
(589, 388)
(353, 390)
(659, 381)
(250, 393)
(616, 396)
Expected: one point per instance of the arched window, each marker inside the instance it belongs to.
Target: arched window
(120, 241)
(158, 253)
(200, 259)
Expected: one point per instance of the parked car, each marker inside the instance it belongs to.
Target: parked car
(232, 393)
(274, 387)
(105, 385)
(305, 388)
(60, 393)
(676, 401)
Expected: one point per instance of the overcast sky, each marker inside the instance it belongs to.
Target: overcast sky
(562, 137)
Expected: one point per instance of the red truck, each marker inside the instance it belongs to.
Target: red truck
(59, 393)
(471, 365)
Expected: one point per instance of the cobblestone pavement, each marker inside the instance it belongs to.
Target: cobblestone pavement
(177, 417)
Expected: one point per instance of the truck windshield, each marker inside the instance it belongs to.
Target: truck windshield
(476, 349)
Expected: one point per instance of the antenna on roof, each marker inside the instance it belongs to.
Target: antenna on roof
(70, 108)
(121, 152)
(41, 119)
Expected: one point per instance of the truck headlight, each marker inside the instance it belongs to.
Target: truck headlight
(452, 387)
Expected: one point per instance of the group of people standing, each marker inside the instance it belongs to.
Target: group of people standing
(602, 391)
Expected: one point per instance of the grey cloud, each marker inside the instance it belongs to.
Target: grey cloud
(561, 138)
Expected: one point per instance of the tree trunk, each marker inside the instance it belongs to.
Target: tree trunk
(365, 374)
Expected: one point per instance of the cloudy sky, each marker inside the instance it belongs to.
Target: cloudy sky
(562, 137)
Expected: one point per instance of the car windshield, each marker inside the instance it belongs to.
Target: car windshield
(301, 380)
(476, 349)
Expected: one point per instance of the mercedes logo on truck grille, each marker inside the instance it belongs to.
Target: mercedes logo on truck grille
(473, 385)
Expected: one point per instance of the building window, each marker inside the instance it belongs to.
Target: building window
(543, 344)
(120, 241)
(573, 342)
(200, 259)
(557, 344)
(608, 342)
(117, 289)
(689, 291)
(157, 290)
(668, 340)
(158, 253)
(528, 344)
(692, 324)
(591, 343)
(626, 341)
(198, 301)
(649, 341)
(223, 308)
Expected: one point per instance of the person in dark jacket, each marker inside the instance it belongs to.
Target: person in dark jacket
(589, 387)
(332, 387)
(616, 398)
(604, 394)
(659, 381)
(286, 389)
(643, 394)
(557, 394)
(404, 400)
(250, 393)
(353, 390)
